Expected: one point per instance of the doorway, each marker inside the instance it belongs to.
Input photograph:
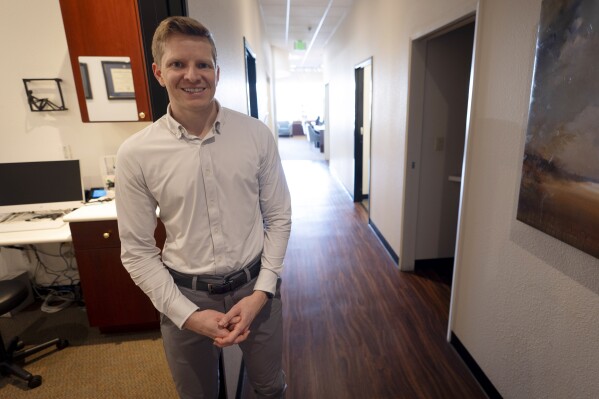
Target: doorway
(441, 66)
(327, 136)
(251, 80)
(362, 132)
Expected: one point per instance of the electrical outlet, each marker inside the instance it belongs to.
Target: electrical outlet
(66, 151)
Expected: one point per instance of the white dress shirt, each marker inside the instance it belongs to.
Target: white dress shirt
(223, 200)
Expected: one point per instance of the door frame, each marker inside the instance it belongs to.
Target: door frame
(358, 123)
(413, 143)
(251, 79)
(414, 139)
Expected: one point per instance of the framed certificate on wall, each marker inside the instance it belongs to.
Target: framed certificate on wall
(119, 80)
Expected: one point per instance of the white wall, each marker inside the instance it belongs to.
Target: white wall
(525, 305)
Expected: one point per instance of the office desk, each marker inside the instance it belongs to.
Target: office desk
(113, 301)
(92, 212)
(61, 234)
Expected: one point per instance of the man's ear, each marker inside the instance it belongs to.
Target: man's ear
(217, 74)
(158, 74)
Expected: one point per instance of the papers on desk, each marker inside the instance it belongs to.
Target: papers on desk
(39, 230)
(28, 221)
(29, 225)
(31, 237)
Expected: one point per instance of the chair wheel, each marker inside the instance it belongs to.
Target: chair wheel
(15, 344)
(35, 381)
(62, 343)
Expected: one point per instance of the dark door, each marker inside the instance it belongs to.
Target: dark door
(358, 136)
(250, 74)
(362, 132)
(151, 12)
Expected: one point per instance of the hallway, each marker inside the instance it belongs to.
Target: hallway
(354, 325)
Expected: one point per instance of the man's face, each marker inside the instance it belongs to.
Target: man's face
(188, 72)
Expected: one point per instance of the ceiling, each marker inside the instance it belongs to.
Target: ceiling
(312, 22)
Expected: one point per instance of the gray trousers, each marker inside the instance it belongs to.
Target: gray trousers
(193, 359)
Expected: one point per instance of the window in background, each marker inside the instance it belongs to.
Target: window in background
(300, 97)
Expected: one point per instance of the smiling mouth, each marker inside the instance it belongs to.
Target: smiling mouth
(194, 90)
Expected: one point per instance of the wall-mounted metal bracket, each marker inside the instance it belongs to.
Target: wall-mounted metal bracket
(45, 87)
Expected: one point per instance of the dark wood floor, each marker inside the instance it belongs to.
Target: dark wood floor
(355, 326)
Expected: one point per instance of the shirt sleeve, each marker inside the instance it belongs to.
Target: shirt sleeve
(275, 205)
(136, 210)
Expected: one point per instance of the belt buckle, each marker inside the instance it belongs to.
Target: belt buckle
(227, 284)
(219, 288)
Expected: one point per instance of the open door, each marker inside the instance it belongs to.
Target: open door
(362, 128)
(438, 102)
(251, 80)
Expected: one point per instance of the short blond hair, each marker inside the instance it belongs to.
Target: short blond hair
(179, 25)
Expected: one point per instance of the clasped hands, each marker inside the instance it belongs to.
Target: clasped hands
(230, 328)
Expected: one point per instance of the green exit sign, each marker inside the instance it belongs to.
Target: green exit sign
(299, 45)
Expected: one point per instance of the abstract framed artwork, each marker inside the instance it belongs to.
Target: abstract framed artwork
(559, 189)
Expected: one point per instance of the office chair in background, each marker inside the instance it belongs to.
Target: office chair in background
(12, 294)
(314, 136)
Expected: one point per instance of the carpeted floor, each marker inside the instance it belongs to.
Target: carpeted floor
(92, 366)
(298, 148)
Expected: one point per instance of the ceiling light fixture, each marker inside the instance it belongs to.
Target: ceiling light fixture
(287, 22)
(324, 16)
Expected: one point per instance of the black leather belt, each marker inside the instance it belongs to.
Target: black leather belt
(229, 282)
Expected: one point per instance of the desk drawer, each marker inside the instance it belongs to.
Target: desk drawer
(105, 234)
(91, 235)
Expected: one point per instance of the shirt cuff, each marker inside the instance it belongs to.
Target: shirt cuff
(267, 282)
(180, 310)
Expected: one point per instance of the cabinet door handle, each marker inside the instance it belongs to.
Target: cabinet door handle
(106, 235)
(142, 115)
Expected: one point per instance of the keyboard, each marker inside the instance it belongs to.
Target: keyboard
(11, 226)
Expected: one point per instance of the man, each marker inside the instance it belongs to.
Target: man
(216, 177)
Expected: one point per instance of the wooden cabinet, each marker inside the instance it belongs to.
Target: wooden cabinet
(106, 28)
(119, 28)
(113, 301)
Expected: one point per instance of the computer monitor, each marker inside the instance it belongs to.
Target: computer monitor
(40, 186)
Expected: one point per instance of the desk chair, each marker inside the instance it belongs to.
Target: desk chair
(314, 136)
(12, 294)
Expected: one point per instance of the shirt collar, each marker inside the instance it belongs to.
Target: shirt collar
(179, 131)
